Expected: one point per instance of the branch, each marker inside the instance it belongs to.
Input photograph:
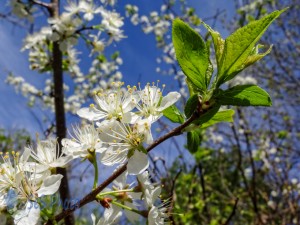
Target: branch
(204, 196)
(60, 117)
(232, 213)
(172, 200)
(43, 4)
(91, 196)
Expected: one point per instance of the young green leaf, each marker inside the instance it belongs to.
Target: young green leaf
(191, 53)
(218, 44)
(244, 95)
(255, 56)
(239, 45)
(219, 117)
(191, 105)
(173, 114)
(193, 140)
(210, 67)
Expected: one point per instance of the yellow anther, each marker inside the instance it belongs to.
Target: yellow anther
(92, 105)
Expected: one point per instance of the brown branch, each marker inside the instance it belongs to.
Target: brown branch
(60, 120)
(43, 4)
(91, 196)
(172, 198)
(204, 196)
(232, 212)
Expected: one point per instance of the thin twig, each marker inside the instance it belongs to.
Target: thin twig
(43, 4)
(232, 212)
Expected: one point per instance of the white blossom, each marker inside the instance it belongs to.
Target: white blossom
(84, 141)
(114, 104)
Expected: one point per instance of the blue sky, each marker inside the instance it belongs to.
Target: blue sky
(138, 51)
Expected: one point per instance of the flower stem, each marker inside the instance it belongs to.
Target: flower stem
(96, 175)
(114, 192)
(126, 207)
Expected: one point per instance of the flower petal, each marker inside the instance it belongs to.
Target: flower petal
(138, 163)
(91, 114)
(168, 100)
(50, 185)
(30, 215)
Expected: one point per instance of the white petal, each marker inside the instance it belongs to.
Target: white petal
(91, 114)
(25, 156)
(34, 167)
(111, 216)
(62, 161)
(93, 218)
(50, 185)
(105, 130)
(130, 117)
(130, 102)
(30, 215)
(69, 143)
(168, 100)
(138, 163)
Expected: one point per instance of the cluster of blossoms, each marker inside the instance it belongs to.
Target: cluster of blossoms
(120, 126)
(98, 25)
(26, 178)
(123, 119)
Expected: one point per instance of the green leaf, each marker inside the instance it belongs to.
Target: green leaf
(255, 56)
(191, 105)
(193, 140)
(244, 95)
(191, 53)
(192, 88)
(239, 46)
(173, 114)
(219, 117)
(210, 68)
(207, 115)
(218, 44)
